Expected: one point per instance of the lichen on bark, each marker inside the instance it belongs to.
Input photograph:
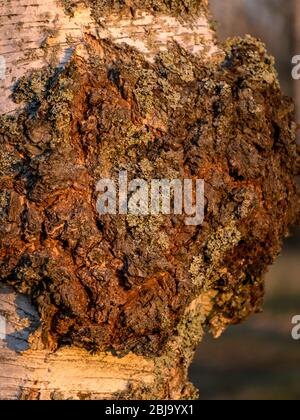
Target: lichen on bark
(182, 8)
(125, 283)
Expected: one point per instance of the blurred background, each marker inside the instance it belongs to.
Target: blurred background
(259, 359)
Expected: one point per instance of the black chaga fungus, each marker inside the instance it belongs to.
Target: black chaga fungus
(124, 282)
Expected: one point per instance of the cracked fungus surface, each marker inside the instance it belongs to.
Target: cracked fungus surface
(124, 282)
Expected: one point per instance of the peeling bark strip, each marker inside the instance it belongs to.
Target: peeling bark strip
(160, 103)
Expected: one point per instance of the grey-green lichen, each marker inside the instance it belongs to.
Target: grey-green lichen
(206, 268)
(172, 7)
(197, 271)
(179, 64)
(171, 369)
(146, 94)
(221, 241)
(258, 68)
(182, 346)
(32, 89)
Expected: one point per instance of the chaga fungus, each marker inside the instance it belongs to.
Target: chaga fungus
(123, 283)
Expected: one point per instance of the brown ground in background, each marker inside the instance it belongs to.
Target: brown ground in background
(258, 359)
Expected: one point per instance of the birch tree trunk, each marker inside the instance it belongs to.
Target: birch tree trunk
(106, 307)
